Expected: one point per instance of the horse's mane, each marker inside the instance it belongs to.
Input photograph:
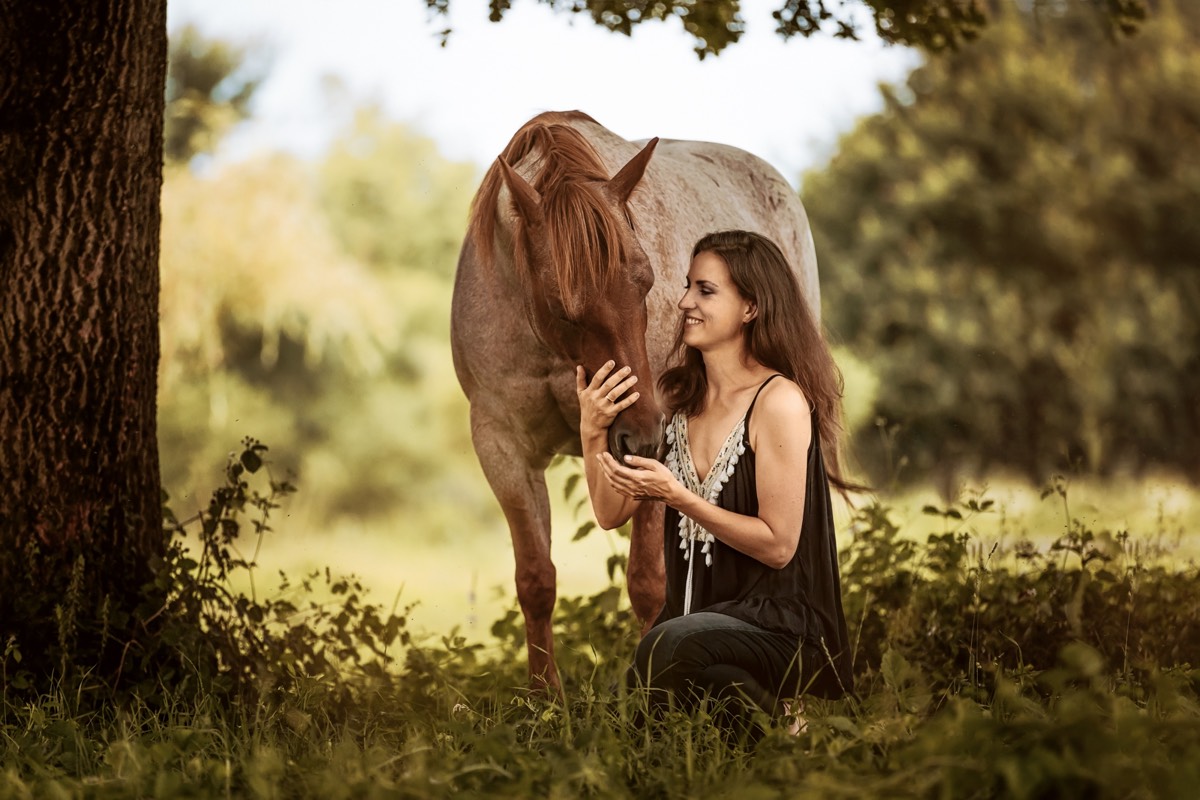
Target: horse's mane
(581, 230)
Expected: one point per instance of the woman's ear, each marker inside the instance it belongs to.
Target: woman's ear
(751, 311)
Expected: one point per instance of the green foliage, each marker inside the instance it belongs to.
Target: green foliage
(260, 314)
(310, 303)
(976, 679)
(392, 201)
(231, 644)
(283, 313)
(935, 25)
(209, 87)
(196, 633)
(1007, 245)
(971, 617)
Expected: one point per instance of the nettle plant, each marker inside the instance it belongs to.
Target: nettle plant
(968, 615)
(234, 642)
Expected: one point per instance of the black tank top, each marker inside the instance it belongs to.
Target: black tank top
(803, 599)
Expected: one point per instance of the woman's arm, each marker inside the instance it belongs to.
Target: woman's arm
(596, 413)
(782, 430)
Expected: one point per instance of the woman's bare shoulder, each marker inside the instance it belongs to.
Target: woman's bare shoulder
(782, 398)
(782, 410)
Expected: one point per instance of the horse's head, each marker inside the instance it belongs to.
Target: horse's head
(586, 277)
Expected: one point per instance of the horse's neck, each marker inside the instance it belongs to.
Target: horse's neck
(614, 151)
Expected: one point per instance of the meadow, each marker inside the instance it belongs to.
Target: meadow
(1026, 647)
(464, 578)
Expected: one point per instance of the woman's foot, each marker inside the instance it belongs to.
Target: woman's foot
(796, 724)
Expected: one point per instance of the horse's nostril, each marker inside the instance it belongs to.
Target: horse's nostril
(623, 445)
(629, 443)
(645, 449)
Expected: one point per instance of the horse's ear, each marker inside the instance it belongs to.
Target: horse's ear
(529, 202)
(623, 182)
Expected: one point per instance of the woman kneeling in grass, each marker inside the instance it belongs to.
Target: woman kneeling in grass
(753, 608)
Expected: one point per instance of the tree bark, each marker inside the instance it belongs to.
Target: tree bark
(81, 116)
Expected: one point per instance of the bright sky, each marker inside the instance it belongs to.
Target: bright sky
(786, 102)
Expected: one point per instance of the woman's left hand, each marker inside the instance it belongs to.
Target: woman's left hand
(640, 478)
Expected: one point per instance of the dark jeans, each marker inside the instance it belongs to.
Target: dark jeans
(712, 654)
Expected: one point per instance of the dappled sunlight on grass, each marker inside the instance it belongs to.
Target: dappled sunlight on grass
(465, 584)
(452, 579)
(463, 580)
(1158, 512)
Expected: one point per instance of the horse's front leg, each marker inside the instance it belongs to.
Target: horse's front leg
(519, 483)
(647, 574)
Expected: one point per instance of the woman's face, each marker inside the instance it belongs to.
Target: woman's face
(713, 309)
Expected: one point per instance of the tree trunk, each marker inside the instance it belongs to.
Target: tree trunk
(81, 115)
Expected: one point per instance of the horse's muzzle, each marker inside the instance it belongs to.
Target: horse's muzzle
(629, 440)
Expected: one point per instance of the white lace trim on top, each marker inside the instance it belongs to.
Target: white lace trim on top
(679, 461)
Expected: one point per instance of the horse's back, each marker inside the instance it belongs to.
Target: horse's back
(692, 188)
(710, 187)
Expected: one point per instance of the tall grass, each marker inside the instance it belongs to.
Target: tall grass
(985, 669)
(463, 576)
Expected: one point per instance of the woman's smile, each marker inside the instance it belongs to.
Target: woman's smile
(711, 288)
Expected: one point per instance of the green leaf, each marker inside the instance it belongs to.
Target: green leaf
(584, 530)
(572, 482)
(251, 460)
(614, 561)
(845, 725)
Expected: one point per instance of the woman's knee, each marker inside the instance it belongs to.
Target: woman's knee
(693, 653)
(653, 655)
(680, 649)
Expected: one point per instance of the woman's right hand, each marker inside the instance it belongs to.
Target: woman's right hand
(601, 399)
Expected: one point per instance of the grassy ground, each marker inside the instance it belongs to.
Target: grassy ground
(1070, 675)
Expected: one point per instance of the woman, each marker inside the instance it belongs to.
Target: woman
(753, 609)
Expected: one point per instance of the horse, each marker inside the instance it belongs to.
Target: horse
(576, 252)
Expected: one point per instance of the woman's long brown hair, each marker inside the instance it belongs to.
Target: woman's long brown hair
(784, 336)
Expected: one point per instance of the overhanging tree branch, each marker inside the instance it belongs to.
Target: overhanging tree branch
(933, 25)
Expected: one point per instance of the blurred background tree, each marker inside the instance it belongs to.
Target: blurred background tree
(307, 304)
(1010, 245)
(209, 87)
(393, 202)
